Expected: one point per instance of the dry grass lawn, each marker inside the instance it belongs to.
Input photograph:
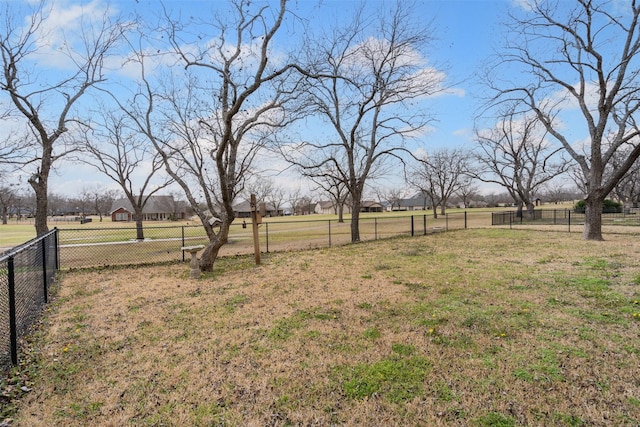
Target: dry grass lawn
(477, 327)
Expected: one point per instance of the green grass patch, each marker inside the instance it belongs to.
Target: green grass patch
(233, 303)
(397, 379)
(495, 419)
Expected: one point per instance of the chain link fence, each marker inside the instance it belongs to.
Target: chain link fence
(564, 217)
(100, 247)
(26, 274)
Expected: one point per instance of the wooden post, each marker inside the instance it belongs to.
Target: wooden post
(254, 224)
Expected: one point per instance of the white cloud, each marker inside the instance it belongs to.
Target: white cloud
(60, 35)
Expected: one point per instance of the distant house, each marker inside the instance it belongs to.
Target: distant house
(157, 208)
(419, 202)
(371, 206)
(330, 208)
(243, 210)
(325, 207)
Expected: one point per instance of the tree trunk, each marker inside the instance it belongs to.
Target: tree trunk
(530, 208)
(41, 207)
(443, 208)
(355, 220)
(4, 215)
(340, 212)
(210, 253)
(593, 219)
(139, 228)
(519, 207)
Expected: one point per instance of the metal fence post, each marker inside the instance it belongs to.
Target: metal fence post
(183, 258)
(56, 245)
(375, 228)
(43, 247)
(424, 225)
(329, 233)
(569, 221)
(13, 326)
(465, 220)
(266, 232)
(446, 222)
(412, 226)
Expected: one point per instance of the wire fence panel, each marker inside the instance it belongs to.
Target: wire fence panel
(563, 217)
(101, 247)
(26, 274)
(29, 286)
(91, 247)
(457, 221)
(5, 331)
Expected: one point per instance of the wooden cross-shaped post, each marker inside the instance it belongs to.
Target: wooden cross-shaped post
(254, 223)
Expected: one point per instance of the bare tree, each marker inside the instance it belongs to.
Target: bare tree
(43, 101)
(335, 188)
(393, 196)
(440, 174)
(266, 192)
(84, 201)
(99, 199)
(177, 205)
(467, 191)
(516, 155)
(556, 192)
(368, 89)
(585, 54)
(7, 199)
(293, 197)
(304, 205)
(127, 158)
(277, 197)
(261, 188)
(210, 122)
(56, 203)
(627, 190)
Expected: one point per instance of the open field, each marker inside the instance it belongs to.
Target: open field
(109, 244)
(15, 233)
(476, 327)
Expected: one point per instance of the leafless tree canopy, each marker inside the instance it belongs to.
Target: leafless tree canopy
(366, 88)
(120, 152)
(440, 174)
(42, 103)
(578, 56)
(628, 188)
(334, 188)
(517, 155)
(209, 118)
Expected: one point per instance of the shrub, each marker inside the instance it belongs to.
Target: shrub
(609, 206)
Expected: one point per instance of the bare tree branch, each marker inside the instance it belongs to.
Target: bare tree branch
(367, 89)
(45, 104)
(583, 54)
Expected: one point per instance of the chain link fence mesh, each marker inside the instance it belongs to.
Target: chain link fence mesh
(26, 274)
(101, 247)
(5, 342)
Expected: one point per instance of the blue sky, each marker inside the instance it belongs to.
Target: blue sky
(465, 32)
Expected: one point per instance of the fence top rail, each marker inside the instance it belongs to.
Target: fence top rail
(264, 221)
(16, 250)
(145, 226)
